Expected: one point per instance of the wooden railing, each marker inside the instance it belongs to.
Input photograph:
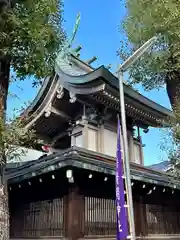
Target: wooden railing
(89, 217)
(43, 218)
(162, 219)
(100, 216)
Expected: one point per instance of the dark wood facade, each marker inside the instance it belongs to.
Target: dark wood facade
(47, 205)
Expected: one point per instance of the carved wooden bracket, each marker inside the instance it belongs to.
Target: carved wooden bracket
(60, 92)
(72, 97)
(47, 111)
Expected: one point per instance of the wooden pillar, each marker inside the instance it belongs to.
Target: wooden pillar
(131, 146)
(141, 153)
(85, 134)
(140, 217)
(136, 206)
(141, 148)
(143, 217)
(101, 139)
(75, 214)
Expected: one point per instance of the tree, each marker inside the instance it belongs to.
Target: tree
(161, 65)
(31, 34)
(13, 136)
(172, 145)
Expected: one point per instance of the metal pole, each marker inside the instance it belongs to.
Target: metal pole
(126, 157)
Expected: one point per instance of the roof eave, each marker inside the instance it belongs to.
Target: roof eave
(112, 80)
(85, 159)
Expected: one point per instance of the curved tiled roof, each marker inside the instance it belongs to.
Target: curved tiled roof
(92, 161)
(79, 78)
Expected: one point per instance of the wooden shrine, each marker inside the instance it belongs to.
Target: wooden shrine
(71, 192)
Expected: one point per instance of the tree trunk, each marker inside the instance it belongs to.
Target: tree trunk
(4, 211)
(173, 88)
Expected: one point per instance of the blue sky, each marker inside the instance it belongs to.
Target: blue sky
(99, 36)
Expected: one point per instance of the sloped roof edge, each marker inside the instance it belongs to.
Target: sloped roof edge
(112, 80)
(92, 161)
(76, 80)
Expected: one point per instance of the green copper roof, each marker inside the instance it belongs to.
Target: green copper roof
(110, 79)
(92, 161)
(80, 79)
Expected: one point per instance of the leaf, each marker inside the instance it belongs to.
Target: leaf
(144, 20)
(32, 34)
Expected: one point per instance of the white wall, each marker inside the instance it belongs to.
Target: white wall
(29, 155)
(105, 141)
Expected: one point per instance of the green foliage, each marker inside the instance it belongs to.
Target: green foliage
(145, 19)
(31, 34)
(170, 143)
(161, 64)
(13, 135)
(174, 137)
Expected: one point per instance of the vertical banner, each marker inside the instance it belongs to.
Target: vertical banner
(122, 218)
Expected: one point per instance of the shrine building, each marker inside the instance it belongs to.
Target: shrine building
(70, 193)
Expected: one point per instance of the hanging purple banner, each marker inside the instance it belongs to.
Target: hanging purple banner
(122, 221)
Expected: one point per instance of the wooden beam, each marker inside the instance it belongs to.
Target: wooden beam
(75, 214)
(81, 64)
(93, 59)
(78, 48)
(56, 138)
(60, 113)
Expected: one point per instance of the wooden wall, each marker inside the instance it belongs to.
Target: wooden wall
(86, 208)
(36, 219)
(78, 216)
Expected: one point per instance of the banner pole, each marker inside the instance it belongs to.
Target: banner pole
(126, 157)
